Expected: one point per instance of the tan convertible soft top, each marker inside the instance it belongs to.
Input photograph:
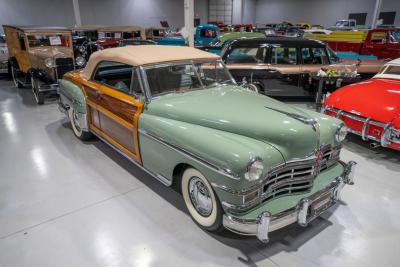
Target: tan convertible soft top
(144, 54)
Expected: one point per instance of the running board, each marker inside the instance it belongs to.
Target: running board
(159, 177)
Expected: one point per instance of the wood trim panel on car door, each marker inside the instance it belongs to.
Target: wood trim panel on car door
(114, 116)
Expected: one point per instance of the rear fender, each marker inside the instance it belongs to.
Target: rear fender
(71, 95)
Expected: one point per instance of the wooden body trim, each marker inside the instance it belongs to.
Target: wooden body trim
(123, 109)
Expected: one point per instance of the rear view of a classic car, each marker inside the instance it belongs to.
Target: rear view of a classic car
(199, 133)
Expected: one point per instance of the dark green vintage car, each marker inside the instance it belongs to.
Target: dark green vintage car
(242, 160)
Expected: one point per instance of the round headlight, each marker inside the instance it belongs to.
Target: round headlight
(254, 170)
(82, 49)
(49, 62)
(80, 61)
(341, 133)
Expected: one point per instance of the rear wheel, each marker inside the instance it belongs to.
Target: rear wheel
(14, 72)
(39, 96)
(76, 126)
(201, 200)
(251, 87)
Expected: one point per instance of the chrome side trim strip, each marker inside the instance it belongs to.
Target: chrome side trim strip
(198, 159)
(159, 177)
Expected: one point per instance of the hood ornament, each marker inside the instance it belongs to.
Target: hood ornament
(303, 119)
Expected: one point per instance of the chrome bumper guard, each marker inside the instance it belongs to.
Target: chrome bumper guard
(385, 138)
(307, 209)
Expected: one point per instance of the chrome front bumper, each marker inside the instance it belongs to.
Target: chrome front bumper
(307, 209)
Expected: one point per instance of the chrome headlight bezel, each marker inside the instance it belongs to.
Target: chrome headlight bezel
(255, 169)
(50, 63)
(80, 61)
(341, 133)
(82, 49)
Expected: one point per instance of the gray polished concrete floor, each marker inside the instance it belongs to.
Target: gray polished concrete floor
(68, 203)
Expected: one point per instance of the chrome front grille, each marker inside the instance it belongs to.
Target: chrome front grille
(289, 180)
(63, 65)
(298, 176)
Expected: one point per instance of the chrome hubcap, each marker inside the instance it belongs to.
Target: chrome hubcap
(200, 197)
(76, 121)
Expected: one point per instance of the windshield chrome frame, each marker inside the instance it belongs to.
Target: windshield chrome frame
(146, 85)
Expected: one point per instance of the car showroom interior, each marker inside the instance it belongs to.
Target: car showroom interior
(199, 133)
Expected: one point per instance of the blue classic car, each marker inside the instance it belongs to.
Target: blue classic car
(204, 34)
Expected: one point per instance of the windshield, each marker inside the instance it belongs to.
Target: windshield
(38, 40)
(395, 36)
(342, 23)
(215, 42)
(391, 70)
(332, 55)
(135, 42)
(185, 77)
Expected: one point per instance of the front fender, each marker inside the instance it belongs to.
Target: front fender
(196, 144)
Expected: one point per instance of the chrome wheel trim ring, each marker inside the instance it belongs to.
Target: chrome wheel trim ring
(13, 76)
(34, 89)
(76, 127)
(75, 121)
(200, 196)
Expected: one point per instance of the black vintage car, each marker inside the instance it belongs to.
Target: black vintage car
(84, 43)
(83, 47)
(284, 66)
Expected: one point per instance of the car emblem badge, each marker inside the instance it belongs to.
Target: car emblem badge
(318, 157)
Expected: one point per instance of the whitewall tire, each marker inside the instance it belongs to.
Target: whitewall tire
(201, 200)
(76, 127)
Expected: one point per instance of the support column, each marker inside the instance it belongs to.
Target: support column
(189, 20)
(77, 13)
(377, 10)
(241, 11)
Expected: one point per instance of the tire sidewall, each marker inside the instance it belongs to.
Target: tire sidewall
(77, 133)
(212, 222)
(13, 76)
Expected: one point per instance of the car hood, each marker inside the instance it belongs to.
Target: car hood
(378, 99)
(365, 65)
(236, 110)
(51, 51)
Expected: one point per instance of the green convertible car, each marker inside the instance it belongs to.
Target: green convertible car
(241, 160)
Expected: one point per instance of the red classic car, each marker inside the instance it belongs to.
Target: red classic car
(371, 108)
(111, 36)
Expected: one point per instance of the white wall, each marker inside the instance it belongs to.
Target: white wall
(103, 12)
(249, 11)
(37, 12)
(138, 12)
(150, 12)
(324, 12)
(392, 5)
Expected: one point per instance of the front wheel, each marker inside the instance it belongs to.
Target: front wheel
(76, 127)
(251, 87)
(39, 96)
(17, 83)
(201, 201)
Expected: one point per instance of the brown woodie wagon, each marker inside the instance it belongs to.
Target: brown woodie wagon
(38, 57)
